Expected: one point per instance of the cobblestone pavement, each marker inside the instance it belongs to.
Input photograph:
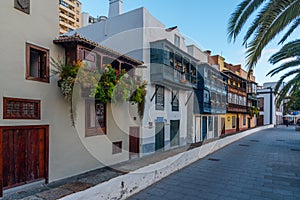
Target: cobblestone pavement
(265, 165)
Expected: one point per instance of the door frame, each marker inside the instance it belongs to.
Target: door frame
(139, 141)
(157, 137)
(177, 134)
(46, 163)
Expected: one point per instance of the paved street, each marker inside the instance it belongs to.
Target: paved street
(265, 165)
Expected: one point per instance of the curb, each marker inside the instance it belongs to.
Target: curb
(129, 184)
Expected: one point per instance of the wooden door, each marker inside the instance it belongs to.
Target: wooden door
(223, 125)
(159, 136)
(249, 123)
(174, 132)
(237, 123)
(24, 153)
(134, 142)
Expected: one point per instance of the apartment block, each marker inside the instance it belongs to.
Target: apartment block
(69, 15)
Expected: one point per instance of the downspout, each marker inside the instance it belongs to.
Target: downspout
(271, 105)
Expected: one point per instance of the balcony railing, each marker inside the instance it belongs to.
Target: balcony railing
(168, 76)
(235, 108)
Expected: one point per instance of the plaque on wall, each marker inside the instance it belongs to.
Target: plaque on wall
(23, 5)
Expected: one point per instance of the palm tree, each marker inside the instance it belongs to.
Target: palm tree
(272, 18)
(289, 51)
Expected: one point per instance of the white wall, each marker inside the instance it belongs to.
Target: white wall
(131, 33)
(267, 106)
(67, 156)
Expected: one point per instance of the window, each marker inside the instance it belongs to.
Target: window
(244, 120)
(230, 98)
(175, 101)
(206, 96)
(233, 121)
(37, 63)
(177, 41)
(117, 147)
(171, 58)
(160, 98)
(95, 118)
(178, 62)
(261, 104)
(14, 108)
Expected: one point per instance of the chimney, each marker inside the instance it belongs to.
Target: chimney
(115, 8)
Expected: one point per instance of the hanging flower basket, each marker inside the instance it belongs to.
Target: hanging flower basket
(107, 86)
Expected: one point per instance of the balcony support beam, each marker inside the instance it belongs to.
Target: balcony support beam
(189, 98)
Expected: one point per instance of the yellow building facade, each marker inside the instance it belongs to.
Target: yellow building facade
(240, 88)
(69, 15)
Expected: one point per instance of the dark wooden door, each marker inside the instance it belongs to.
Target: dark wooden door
(159, 136)
(24, 155)
(174, 132)
(134, 142)
(204, 128)
(260, 120)
(249, 123)
(237, 123)
(223, 125)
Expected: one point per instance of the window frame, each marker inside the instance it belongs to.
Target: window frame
(28, 67)
(97, 130)
(233, 123)
(33, 101)
(177, 40)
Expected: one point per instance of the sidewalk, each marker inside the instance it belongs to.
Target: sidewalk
(152, 162)
(84, 181)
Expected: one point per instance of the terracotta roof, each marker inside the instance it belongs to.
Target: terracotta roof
(78, 38)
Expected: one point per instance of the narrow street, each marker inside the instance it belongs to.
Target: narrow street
(265, 165)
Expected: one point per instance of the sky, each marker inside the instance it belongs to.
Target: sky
(203, 21)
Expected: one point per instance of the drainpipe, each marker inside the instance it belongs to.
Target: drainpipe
(271, 105)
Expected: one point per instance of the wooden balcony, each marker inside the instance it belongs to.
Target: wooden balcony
(236, 108)
(168, 76)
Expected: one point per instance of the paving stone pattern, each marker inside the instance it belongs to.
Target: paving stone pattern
(81, 182)
(265, 165)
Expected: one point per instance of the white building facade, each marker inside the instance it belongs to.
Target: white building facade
(170, 70)
(37, 139)
(269, 113)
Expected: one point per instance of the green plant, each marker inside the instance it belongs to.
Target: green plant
(107, 86)
(254, 111)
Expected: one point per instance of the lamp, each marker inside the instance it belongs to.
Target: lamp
(228, 119)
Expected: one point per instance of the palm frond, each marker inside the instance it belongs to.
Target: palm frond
(289, 50)
(290, 31)
(293, 80)
(284, 66)
(240, 16)
(290, 88)
(273, 19)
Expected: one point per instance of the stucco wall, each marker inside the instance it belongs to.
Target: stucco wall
(67, 154)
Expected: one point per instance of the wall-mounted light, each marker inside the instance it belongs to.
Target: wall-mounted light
(228, 119)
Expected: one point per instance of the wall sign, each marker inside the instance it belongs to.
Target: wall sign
(23, 5)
